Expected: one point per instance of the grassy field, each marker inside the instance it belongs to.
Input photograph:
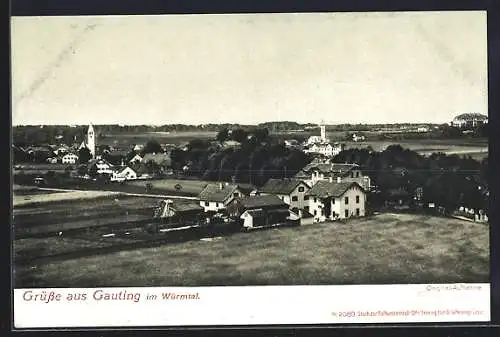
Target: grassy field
(188, 187)
(388, 248)
(41, 198)
(177, 138)
(478, 149)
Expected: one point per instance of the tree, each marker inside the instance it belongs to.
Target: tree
(84, 155)
(92, 171)
(81, 170)
(239, 135)
(152, 146)
(261, 134)
(222, 135)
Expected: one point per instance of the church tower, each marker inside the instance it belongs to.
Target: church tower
(323, 131)
(91, 143)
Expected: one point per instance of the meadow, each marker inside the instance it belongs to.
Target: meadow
(382, 249)
(478, 148)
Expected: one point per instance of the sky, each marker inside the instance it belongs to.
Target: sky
(249, 68)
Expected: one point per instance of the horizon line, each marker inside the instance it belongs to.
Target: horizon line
(232, 123)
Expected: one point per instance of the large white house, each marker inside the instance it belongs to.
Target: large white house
(332, 200)
(123, 173)
(325, 149)
(322, 145)
(215, 197)
(334, 172)
(291, 191)
(69, 158)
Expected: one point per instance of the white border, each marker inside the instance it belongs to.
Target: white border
(263, 305)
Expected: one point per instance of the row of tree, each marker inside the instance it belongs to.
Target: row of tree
(449, 181)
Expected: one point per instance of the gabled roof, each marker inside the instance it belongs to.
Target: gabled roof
(280, 186)
(260, 201)
(213, 192)
(186, 206)
(325, 189)
(334, 169)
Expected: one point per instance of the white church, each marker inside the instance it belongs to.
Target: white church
(321, 144)
(91, 141)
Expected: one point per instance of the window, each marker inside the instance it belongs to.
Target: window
(315, 199)
(207, 203)
(357, 174)
(333, 201)
(295, 198)
(315, 212)
(357, 211)
(301, 189)
(306, 197)
(306, 208)
(346, 213)
(352, 174)
(346, 200)
(236, 194)
(357, 199)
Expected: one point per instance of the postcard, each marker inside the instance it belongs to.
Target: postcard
(250, 169)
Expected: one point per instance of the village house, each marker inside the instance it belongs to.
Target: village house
(122, 173)
(291, 191)
(332, 200)
(325, 149)
(215, 197)
(326, 171)
(102, 166)
(178, 212)
(257, 211)
(69, 158)
(135, 159)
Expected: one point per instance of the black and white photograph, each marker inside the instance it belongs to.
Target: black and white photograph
(250, 149)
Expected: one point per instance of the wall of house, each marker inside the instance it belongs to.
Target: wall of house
(300, 203)
(212, 206)
(340, 206)
(315, 208)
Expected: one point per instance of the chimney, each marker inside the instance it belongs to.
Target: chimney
(221, 185)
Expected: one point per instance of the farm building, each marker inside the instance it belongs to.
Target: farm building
(238, 206)
(102, 166)
(262, 218)
(135, 159)
(215, 197)
(122, 173)
(291, 191)
(69, 158)
(178, 212)
(332, 200)
(325, 149)
(327, 171)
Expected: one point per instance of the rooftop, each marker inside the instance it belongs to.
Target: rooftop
(280, 186)
(260, 201)
(213, 192)
(325, 189)
(337, 169)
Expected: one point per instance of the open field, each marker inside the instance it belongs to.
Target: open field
(426, 147)
(167, 186)
(387, 248)
(176, 138)
(41, 198)
(81, 215)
